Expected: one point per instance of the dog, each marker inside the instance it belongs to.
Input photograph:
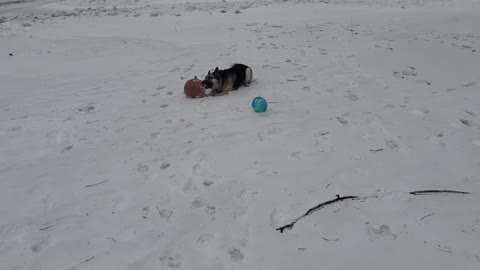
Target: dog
(223, 81)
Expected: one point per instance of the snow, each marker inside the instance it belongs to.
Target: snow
(105, 164)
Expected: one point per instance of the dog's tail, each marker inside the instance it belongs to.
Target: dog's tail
(248, 76)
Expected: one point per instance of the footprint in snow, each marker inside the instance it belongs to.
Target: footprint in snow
(165, 165)
(210, 211)
(470, 113)
(236, 255)
(296, 154)
(165, 213)
(173, 262)
(383, 231)
(87, 108)
(208, 182)
(391, 144)
(342, 120)
(466, 122)
(190, 188)
(67, 148)
(351, 97)
(198, 202)
(142, 168)
(204, 238)
(409, 72)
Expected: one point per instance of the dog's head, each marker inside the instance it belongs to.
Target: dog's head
(212, 80)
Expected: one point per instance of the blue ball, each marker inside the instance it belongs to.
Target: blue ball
(259, 104)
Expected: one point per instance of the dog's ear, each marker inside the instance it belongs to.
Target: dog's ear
(216, 70)
(208, 72)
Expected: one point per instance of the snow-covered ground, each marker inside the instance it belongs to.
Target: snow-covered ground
(104, 164)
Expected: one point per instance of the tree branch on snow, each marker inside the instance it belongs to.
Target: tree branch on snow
(290, 225)
(316, 208)
(89, 259)
(430, 191)
(424, 217)
(96, 184)
(45, 228)
(329, 240)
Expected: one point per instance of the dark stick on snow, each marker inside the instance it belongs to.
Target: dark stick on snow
(339, 199)
(96, 184)
(329, 240)
(47, 227)
(376, 150)
(87, 260)
(316, 208)
(433, 191)
(429, 215)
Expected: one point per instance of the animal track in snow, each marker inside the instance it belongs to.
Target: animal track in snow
(261, 135)
(296, 154)
(87, 108)
(383, 231)
(204, 238)
(466, 122)
(173, 262)
(38, 246)
(210, 210)
(165, 213)
(409, 72)
(342, 120)
(351, 97)
(470, 113)
(67, 148)
(165, 165)
(236, 255)
(391, 144)
(142, 168)
(190, 188)
(208, 182)
(198, 202)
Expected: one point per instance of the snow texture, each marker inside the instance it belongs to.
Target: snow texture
(105, 164)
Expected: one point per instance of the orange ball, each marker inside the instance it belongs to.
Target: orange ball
(194, 89)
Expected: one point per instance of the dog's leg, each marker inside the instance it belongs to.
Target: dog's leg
(223, 93)
(214, 92)
(248, 77)
(229, 87)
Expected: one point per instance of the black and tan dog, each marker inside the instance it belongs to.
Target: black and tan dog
(223, 81)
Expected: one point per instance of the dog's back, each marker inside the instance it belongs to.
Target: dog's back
(243, 75)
